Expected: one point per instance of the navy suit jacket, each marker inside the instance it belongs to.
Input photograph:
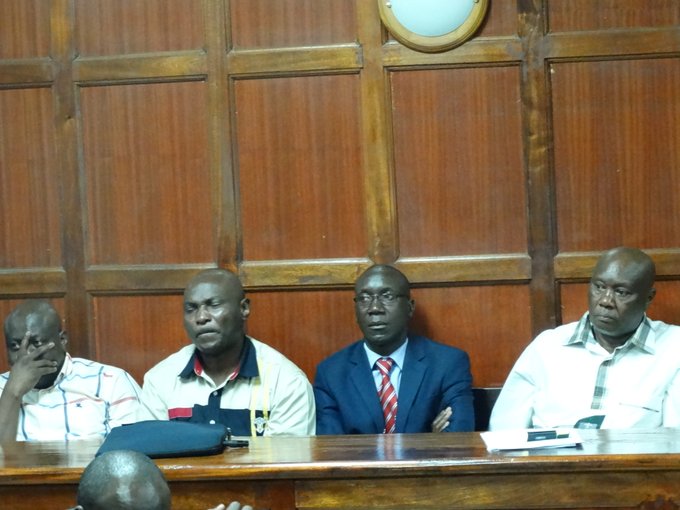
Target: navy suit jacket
(434, 377)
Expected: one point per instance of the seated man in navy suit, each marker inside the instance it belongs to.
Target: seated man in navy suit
(391, 381)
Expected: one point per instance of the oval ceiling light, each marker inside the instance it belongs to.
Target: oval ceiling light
(432, 25)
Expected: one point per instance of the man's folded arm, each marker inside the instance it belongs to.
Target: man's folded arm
(458, 394)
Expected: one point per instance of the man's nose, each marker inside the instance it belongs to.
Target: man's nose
(376, 306)
(202, 315)
(607, 297)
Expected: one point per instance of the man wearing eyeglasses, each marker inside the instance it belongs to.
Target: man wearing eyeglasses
(392, 381)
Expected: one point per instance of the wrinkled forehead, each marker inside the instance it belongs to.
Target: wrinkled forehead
(205, 290)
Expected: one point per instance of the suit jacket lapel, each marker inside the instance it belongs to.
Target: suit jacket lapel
(361, 377)
(412, 375)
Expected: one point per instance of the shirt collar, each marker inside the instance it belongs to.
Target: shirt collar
(66, 368)
(397, 356)
(247, 365)
(643, 337)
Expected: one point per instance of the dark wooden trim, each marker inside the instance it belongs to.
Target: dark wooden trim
(605, 44)
(313, 273)
(143, 67)
(302, 273)
(32, 72)
(535, 96)
(482, 268)
(478, 51)
(579, 265)
(224, 201)
(29, 281)
(339, 272)
(100, 279)
(378, 153)
(78, 311)
(295, 61)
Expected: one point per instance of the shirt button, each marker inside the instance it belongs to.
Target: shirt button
(212, 422)
(214, 393)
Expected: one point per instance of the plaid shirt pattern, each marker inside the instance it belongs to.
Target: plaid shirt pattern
(583, 334)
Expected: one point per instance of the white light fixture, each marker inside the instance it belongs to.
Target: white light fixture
(432, 25)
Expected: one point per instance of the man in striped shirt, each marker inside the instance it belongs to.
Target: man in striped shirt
(47, 394)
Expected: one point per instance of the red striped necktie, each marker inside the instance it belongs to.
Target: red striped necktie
(387, 394)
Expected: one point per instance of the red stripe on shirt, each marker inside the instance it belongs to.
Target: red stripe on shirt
(120, 401)
(180, 412)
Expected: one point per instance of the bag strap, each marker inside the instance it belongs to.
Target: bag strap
(260, 383)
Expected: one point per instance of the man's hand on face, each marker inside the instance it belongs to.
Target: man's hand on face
(28, 367)
(442, 420)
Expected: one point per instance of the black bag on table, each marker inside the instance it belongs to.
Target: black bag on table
(163, 438)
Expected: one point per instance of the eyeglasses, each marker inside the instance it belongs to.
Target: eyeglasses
(384, 298)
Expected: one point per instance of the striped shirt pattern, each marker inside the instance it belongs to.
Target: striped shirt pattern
(87, 400)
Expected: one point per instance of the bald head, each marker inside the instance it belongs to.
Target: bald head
(396, 278)
(222, 278)
(215, 312)
(633, 261)
(123, 480)
(36, 312)
(36, 324)
(621, 290)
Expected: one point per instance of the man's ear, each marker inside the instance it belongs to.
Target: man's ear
(650, 296)
(411, 308)
(245, 308)
(63, 338)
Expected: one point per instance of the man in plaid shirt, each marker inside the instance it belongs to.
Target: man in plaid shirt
(614, 368)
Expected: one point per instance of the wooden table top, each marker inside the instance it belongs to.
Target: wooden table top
(373, 456)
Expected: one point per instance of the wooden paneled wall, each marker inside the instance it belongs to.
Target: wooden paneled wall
(295, 142)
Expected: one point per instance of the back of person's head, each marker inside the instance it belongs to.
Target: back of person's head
(123, 480)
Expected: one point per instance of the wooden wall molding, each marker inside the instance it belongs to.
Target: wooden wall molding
(111, 69)
(30, 72)
(26, 282)
(579, 266)
(294, 61)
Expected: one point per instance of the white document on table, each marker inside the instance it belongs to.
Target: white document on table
(528, 439)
